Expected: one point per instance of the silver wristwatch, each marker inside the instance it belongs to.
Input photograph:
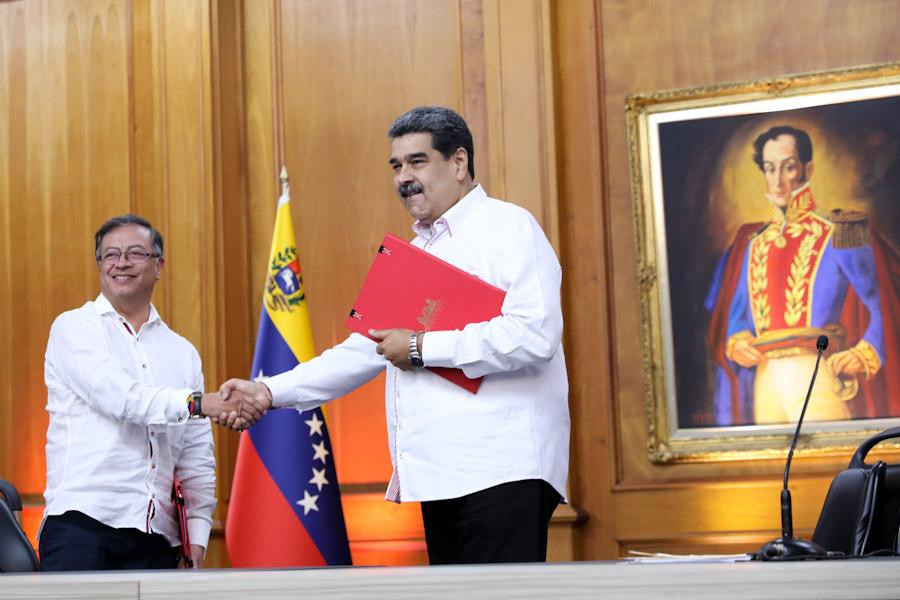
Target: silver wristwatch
(415, 359)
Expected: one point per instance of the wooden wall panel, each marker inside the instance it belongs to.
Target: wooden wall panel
(584, 255)
(699, 43)
(228, 237)
(472, 41)
(519, 99)
(64, 167)
(111, 110)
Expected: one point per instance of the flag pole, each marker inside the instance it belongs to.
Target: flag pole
(285, 182)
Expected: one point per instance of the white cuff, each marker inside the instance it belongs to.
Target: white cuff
(177, 410)
(199, 530)
(281, 386)
(438, 348)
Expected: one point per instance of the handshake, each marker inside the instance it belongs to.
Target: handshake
(238, 404)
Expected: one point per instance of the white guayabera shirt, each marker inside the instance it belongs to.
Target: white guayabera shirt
(444, 441)
(119, 427)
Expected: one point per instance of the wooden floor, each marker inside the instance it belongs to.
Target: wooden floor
(851, 579)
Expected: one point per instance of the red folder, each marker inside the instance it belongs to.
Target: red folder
(181, 513)
(409, 288)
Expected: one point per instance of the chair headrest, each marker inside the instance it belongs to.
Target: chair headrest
(10, 495)
(16, 553)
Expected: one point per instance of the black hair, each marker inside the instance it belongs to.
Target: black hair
(121, 221)
(804, 145)
(448, 130)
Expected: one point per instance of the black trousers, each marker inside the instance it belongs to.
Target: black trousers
(504, 523)
(74, 541)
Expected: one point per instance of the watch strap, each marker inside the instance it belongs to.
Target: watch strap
(195, 405)
(415, 358)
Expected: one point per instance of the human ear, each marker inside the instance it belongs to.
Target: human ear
(461, 158)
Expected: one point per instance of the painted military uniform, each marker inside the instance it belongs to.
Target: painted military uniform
(796, 273)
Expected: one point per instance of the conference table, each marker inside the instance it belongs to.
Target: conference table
(872, 578)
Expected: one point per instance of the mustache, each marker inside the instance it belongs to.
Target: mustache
(410, 189)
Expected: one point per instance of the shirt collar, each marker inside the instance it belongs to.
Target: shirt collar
(103, 307)
(454, 217)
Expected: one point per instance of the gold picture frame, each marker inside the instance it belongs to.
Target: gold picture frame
(695, 181)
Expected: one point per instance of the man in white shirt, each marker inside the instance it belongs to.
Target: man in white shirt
(489, 468)
(124, 397)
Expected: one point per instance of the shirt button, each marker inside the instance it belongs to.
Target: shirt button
(180, 419)
(399, 456)
(152, 465)
(144, 366)
(152, 434)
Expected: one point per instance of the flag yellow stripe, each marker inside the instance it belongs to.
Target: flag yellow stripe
(292, 322)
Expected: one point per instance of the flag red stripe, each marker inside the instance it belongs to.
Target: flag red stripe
(262, 529)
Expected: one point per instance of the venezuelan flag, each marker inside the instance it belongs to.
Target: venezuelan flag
(285, 507)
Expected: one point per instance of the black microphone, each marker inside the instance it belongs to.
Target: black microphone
(787, 547)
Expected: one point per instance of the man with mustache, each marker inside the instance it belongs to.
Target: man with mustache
(124, 394)
(488, 468)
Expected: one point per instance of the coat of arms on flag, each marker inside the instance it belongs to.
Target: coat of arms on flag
(284, 285)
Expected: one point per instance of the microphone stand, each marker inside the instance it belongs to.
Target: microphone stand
(787, 547)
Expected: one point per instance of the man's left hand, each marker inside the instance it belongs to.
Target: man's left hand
(198, 554)
(394, 346)
(846, 363)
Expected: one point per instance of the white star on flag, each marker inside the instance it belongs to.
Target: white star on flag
(319, 478)
(308, 503)
(315, 424)
(321, 452)
(260, 377)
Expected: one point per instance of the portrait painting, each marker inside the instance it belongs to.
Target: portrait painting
(768, 227)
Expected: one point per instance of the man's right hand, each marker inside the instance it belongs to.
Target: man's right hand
(253, 398)
(222, 409)
(745, 354)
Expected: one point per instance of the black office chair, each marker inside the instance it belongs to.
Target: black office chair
(861, 513)
(16, 553)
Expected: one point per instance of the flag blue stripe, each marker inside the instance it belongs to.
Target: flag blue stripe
(272, 355)
(284, 442)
